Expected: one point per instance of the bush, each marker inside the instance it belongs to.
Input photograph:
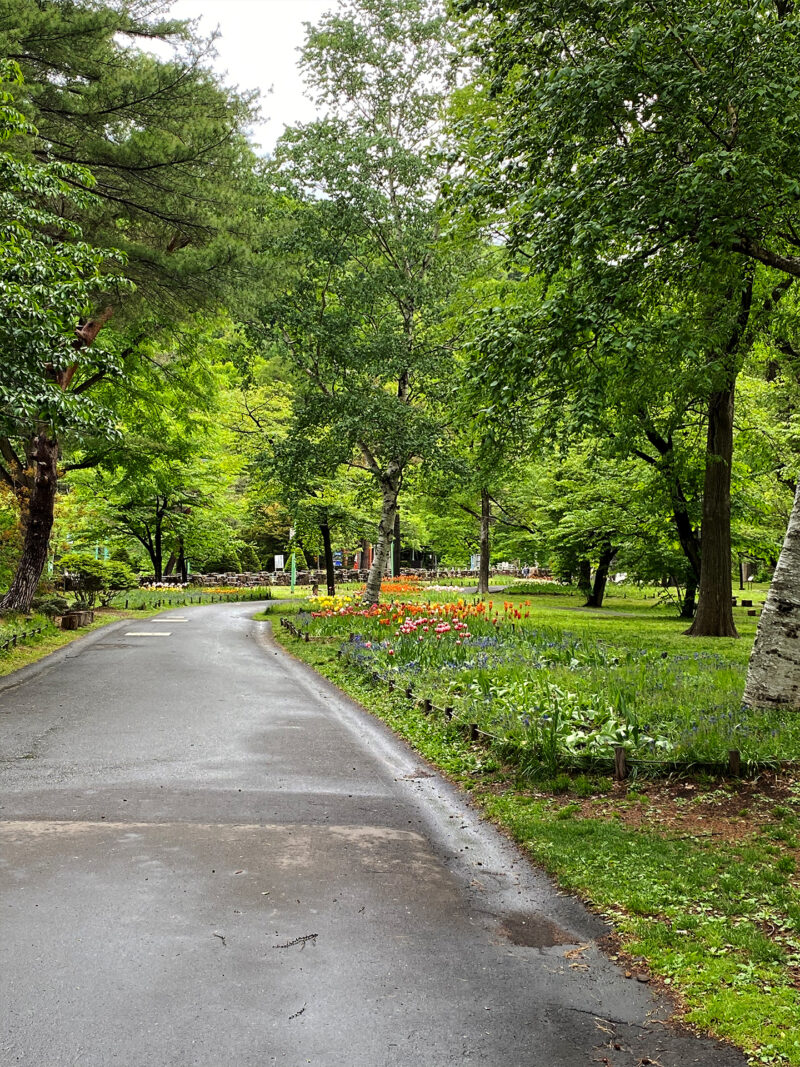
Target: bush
(94, 580)
(50, 605)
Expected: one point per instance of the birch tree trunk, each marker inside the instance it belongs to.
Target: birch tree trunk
(390, 488)
(773, 677)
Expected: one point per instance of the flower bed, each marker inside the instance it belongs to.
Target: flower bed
(547, 697)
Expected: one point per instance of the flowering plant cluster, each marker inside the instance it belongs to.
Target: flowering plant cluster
(400, 585)
(330, 605)
(427, 624)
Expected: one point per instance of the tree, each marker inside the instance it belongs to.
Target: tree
(47, 277)
(165, 147)
(606, 162)
(361, 318)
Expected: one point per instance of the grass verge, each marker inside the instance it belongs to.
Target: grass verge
(700, 880)
(36, 648)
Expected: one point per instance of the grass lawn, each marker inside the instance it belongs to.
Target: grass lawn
(698, 873)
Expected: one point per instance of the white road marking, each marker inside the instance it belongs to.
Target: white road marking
(148, 633)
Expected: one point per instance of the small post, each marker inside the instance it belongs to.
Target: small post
(620, 764)
(473, 731)
(426, 706)
(409, 692)
(306, 636)
(448, 713)
(734, 763)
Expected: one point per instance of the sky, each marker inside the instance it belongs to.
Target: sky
(258, 50)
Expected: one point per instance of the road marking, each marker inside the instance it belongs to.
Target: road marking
(148, 633)
(168, 620)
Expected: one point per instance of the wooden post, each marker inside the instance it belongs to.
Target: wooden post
(473, 731)
(734, 763)
(620, 764)
(448, 713)
(426, 706)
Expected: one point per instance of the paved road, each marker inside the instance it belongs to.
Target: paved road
(210, 857)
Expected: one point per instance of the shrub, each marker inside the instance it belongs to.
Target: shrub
(96, 580)
(50, 605)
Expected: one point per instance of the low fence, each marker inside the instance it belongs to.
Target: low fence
(7, 643)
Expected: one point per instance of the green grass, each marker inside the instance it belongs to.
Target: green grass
(718, 921)
(36, 648)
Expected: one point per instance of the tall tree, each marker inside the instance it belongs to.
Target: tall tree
(363, 320)
(47, 278)
(654, 128)
(164, 143)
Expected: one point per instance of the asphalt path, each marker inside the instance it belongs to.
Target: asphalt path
(209, 856)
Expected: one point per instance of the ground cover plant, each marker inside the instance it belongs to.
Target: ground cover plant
(698, 873)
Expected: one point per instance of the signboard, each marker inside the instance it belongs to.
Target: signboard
(279, 563)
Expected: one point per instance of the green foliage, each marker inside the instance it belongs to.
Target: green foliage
(96, 579)
(161, 136)
(363, 314)
(562, 690)
(48, 277)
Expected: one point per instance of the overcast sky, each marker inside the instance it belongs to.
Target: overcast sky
(258, 50)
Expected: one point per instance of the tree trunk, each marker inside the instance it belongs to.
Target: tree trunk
(689, 605)
(157, 554)
(585, 577)
(38, 504)
(687, 536)
(182, 569)
(714, 616)
(390, 488)
(773, 677)
(483, 566)
(596, 596)
(396, 544)
(330, 570)
(173, 559)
